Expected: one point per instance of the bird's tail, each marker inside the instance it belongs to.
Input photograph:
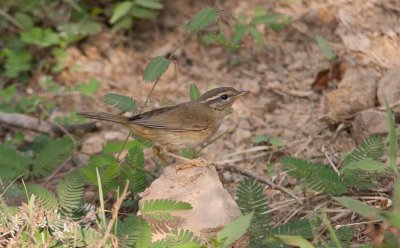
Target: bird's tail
(105, 117)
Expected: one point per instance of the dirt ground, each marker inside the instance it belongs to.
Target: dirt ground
(280, 76)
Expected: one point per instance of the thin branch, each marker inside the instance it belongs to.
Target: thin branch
(258, 178)
(115, 211)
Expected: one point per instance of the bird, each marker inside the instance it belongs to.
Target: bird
(178, 127)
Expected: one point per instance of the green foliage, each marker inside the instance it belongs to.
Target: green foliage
(251, 199)
(233, 231)
(155, 68)
(161, 209)
(325, 47)
(88, 88)
(202, 19)
(315, 176)
(52, 155)
(358, 207)
(371, 148)
(17, 62)
(44, 197)
(134, 231)
(194, 92)
(125, 13)
(69, 192)
(264, 139)
(133, 169)
(392, 139)
(41, 37)
(13, 164)
(294, 241)
(177, 238)
(122, 103)
(362, 174)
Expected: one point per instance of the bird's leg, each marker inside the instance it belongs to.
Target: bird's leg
(188, 162)
(158, 151)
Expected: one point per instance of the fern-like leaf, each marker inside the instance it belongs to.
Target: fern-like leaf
(156, 68)
(134, 232)
(70, 191)
(12, 164)
(177, 238)
(371, 148)
(133, 169)
(362, 174)
(46, 198)
(122, 103)
(52, 156)
(250, 198)
(202, 19)
(315, 176)
(161, 209)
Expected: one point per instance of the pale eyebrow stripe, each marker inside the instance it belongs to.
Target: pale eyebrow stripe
(213, 98)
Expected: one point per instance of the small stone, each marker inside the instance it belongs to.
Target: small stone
(227, 176)
(356, 92)
(212, 206)
(389, 88)
(367, 123)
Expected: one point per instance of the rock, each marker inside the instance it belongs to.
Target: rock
(389, 87)
(356, 92)
(367, 123)
(213, 207)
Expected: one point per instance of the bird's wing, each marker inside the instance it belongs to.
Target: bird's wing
(191, 116)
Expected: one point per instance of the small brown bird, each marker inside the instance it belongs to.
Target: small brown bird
(181, 126)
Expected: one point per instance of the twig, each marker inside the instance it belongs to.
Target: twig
(116, 207)
(48, 178)
(229, 161)
(37, 125)
(253, 149)
(258, 178)
(58, 125)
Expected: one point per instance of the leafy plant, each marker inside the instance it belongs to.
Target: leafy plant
(125, 13)
(122, 103)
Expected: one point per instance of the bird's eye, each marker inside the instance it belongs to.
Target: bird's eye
(224, 97)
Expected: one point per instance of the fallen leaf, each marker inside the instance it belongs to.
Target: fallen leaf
(335, 72)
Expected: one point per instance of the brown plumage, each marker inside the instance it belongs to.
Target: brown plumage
(181, 126)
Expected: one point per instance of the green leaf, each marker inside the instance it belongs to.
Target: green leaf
(121, 9)
(70, 191)
(396, 195)
(257, 36)
(52, 156)
(297, 241)
(315, 176)
(268, 19)
(115, 146)
(194, 92)
(155, 69)
(40, 37)
(202, 19)
(17, 62)
(150, 4)
(325, 47)
(132, 169)
(44, 197)
(88, 89)
(393, 145)
(142, 13)
(361, 174)
(134, 232)
(160, 209)
(359, 207)
(238, 34)
(371, 148)
(234, 230)
(260, 139)
(251, 199)
(122, 103)
(24, 20)
(12, 164)
(276, 141)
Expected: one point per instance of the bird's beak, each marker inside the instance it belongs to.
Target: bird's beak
(242, 93)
